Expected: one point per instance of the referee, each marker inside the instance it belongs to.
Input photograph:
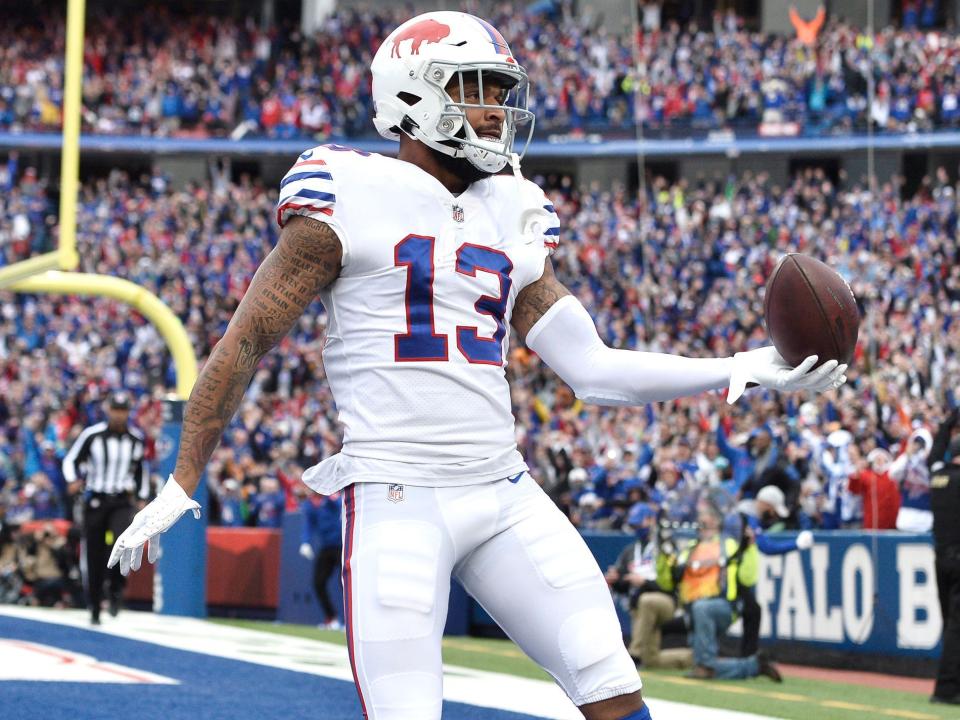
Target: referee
(109, 457)
(945, 503)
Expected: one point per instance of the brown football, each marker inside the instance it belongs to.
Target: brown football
(810, 310)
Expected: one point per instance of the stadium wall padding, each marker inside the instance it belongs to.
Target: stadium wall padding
(835, 597)
(243, 569)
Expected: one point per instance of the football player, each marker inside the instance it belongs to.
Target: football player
(422, 262)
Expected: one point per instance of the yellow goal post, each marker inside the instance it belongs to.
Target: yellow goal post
(45, 273)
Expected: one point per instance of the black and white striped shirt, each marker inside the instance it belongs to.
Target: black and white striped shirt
(111, 462)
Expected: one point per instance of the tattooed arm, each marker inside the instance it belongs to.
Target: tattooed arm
(535, 299)
(305, 260)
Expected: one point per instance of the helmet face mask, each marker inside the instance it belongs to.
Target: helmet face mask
(410, 88)
(487, 153)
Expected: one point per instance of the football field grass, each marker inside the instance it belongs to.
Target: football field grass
(795, 699)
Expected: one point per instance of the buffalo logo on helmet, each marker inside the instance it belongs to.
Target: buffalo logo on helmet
(425, 31)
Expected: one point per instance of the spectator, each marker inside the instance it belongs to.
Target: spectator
(872, 482)
(233, 511)
(764, 514)
(911, 472)
(11, 581)
(268, 504)
(708, 573)
(41, 565)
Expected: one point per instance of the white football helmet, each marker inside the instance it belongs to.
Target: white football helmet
(411, 71)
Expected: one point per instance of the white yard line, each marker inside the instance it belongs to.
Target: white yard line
(473, 687)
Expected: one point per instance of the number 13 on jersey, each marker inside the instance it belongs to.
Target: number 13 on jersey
(421, 342)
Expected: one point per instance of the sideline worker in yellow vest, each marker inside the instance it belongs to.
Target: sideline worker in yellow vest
(706, 574)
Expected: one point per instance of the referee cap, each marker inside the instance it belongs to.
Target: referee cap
(120, 400)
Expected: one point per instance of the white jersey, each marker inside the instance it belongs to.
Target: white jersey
(418, 320)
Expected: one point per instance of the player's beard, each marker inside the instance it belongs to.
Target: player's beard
(461, 167)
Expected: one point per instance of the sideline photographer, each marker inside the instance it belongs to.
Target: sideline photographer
(707, 574)
(635, 575)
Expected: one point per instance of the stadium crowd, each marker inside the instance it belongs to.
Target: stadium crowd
(157, 73)
(679, 270)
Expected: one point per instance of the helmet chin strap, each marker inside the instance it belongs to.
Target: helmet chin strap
(465, 151)
(515, 164)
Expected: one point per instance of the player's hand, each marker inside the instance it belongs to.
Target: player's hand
(157, 517)
(306, 551)
(765, 367)
(804, 540)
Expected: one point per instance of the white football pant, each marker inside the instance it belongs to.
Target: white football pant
(512, 550)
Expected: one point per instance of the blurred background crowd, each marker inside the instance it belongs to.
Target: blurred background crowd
(679, 269)
(162, 72)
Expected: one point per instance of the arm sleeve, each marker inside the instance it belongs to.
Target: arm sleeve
(769, 546)
(726, 449)
(567, 340)
(898, 467)
(306, 528)
(77, 455)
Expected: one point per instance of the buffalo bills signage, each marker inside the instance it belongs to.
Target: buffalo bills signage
(838, 594)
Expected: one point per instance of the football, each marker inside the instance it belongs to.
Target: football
(810, 310)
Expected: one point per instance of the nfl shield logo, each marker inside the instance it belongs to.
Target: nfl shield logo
(395, 493)
(457, 214)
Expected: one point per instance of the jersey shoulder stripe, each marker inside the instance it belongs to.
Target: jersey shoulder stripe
(551, 236)
(308, 189)
(305, 192)
(308, 175)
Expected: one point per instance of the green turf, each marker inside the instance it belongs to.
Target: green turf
(795, 699)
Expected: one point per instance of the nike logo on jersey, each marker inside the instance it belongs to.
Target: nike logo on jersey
(515, 478)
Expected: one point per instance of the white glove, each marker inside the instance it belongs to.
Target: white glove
(804, 540)
(155, 518)
(306, 551)
(767, 368)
